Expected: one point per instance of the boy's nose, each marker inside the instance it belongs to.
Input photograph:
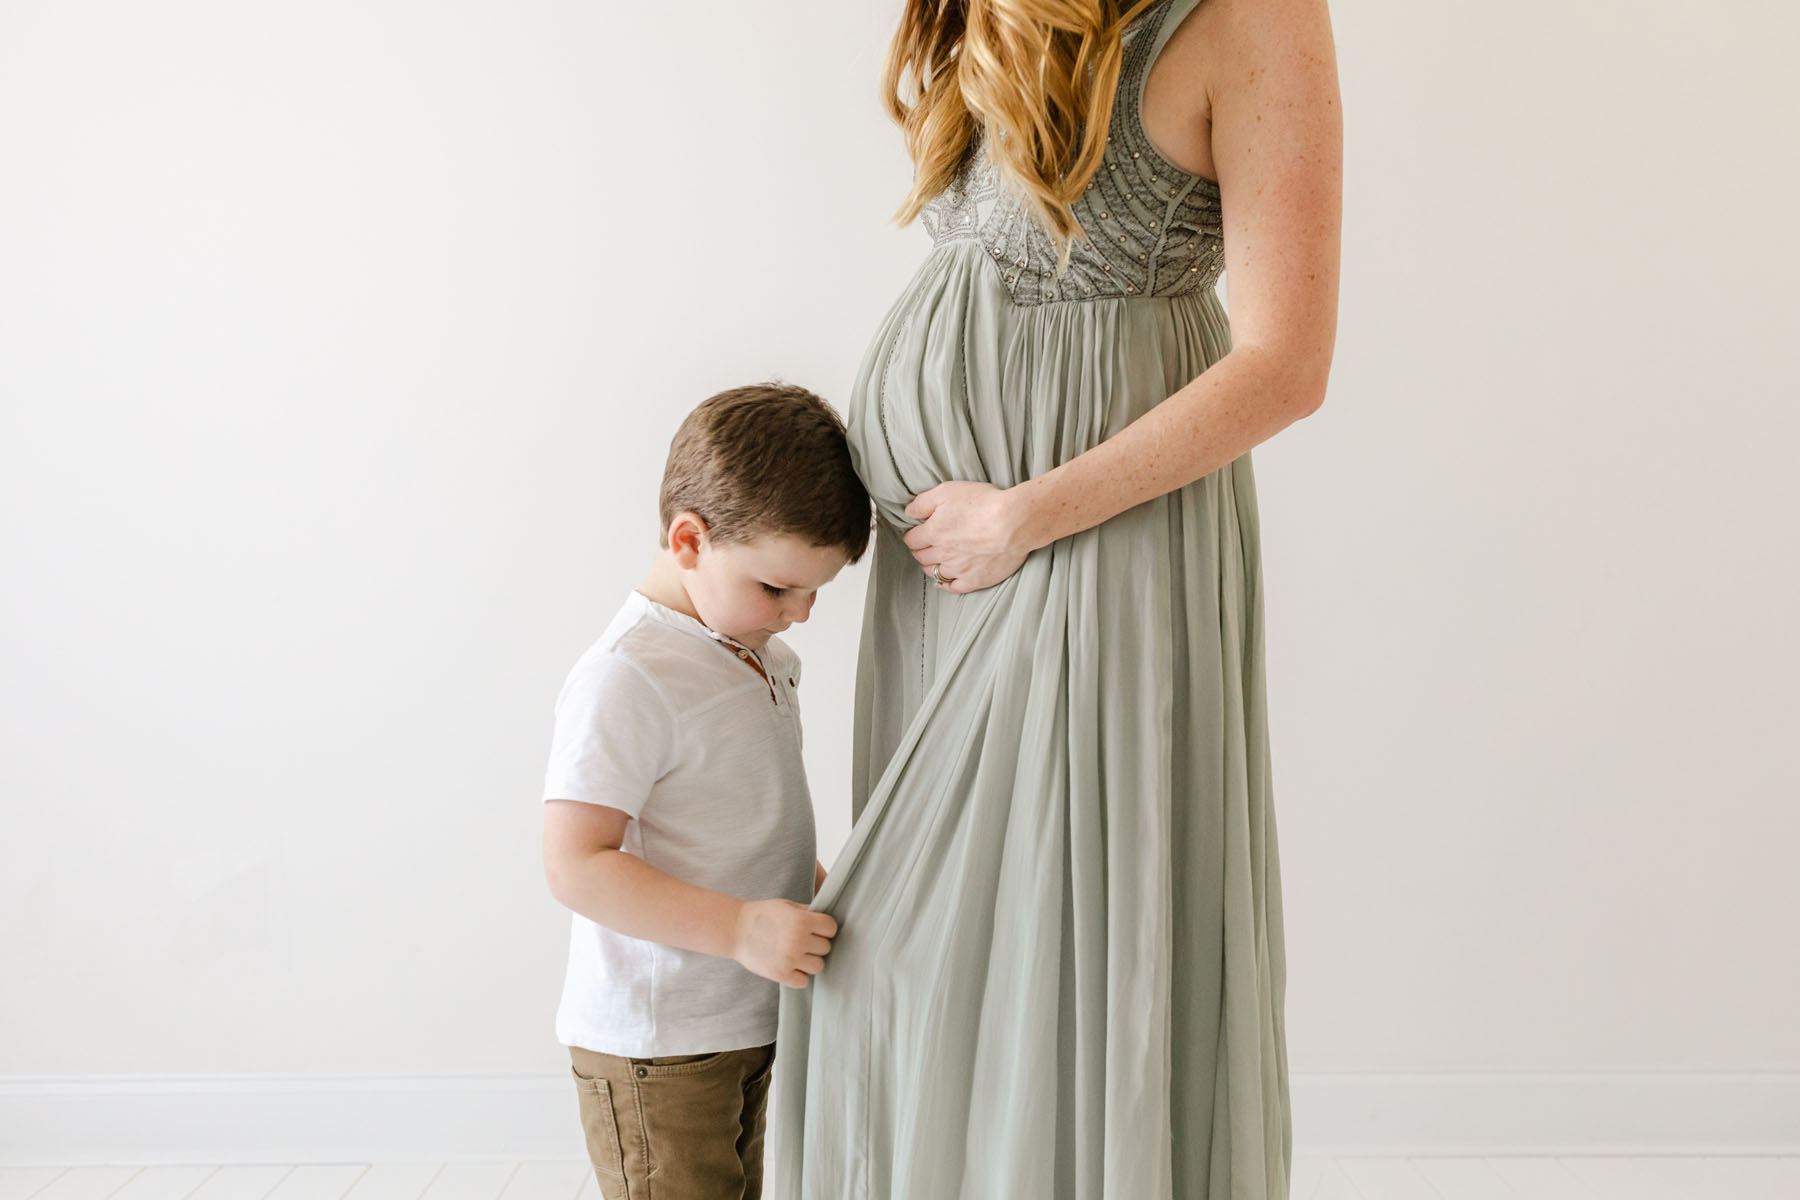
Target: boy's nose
(802, 608)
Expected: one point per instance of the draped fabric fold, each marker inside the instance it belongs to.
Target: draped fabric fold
(1059, 969)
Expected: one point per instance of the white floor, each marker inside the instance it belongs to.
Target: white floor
(1314, 1179)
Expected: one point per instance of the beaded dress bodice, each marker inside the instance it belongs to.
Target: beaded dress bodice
(1151, 228)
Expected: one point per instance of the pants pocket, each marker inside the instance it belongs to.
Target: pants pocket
(679, 1064)
(600, 1126)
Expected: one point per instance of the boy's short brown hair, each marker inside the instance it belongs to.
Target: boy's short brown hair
(770, 458)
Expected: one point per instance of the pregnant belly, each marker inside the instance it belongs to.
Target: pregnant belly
(930, 403)
(961, 383)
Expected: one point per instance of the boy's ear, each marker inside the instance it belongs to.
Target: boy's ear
(687, 534)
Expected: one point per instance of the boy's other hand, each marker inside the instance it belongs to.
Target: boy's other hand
(783, 941)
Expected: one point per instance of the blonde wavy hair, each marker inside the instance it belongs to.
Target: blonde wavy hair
(1036, 76)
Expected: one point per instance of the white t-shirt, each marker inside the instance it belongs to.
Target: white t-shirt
(661, 720)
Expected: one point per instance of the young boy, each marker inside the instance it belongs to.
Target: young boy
(677, 821)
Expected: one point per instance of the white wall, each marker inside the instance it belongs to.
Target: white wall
(340, 345)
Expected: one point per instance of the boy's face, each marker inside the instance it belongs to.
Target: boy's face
(751, 590)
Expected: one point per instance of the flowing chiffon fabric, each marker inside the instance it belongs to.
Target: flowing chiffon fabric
(1059, 970)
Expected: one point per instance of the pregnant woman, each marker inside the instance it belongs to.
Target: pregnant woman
(1060, 967)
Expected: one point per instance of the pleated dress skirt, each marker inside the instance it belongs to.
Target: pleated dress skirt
(1059, 970)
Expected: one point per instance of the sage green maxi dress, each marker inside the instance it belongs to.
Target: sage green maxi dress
(1059, 969)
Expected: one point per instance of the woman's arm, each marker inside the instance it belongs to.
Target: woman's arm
(1277, 139)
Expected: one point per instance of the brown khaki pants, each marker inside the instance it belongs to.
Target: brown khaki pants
(682, 1127)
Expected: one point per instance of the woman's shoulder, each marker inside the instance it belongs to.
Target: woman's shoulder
(1216, 48)
(1220, 36)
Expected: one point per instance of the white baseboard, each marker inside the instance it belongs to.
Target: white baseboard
(287, 1118)
(348, 1118)
(1501, 1113)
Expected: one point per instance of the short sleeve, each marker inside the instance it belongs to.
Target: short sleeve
(613, 736)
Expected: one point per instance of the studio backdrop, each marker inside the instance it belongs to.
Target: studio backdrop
(340, 348)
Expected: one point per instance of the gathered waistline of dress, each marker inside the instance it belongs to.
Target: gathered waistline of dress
(971, 244)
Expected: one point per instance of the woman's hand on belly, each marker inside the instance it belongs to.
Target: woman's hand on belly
(973, 533)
